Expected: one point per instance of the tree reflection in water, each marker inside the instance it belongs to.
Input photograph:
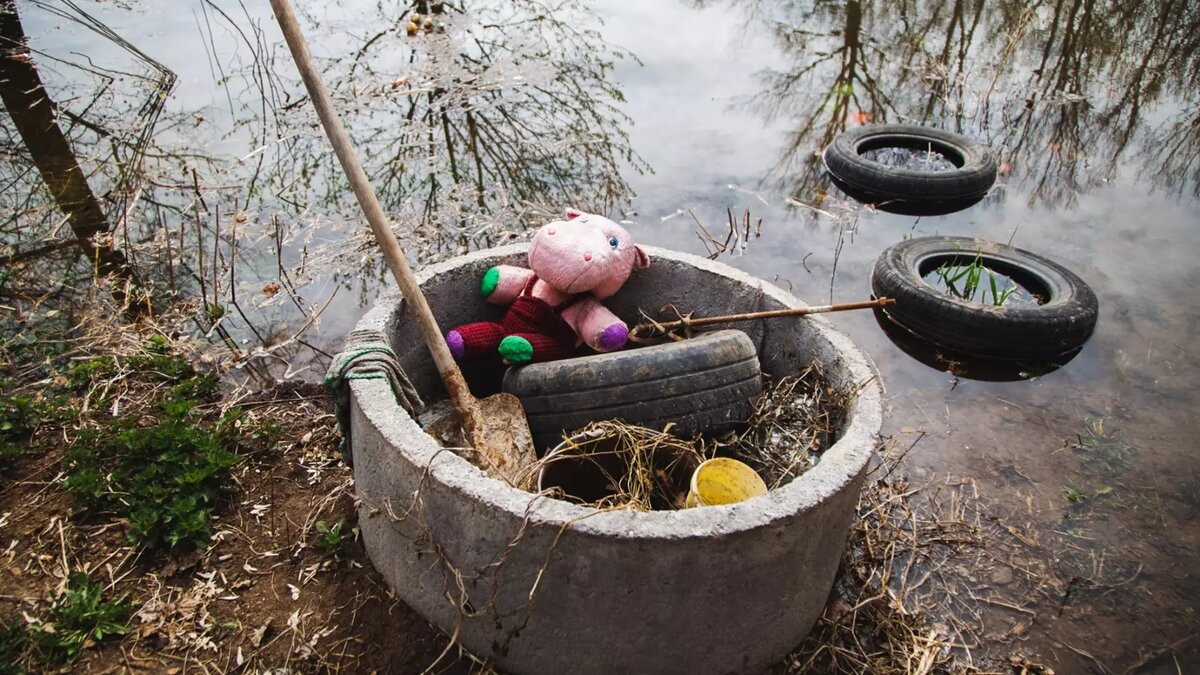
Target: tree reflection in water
(470, 133)
(474, 133)
(1066, 91)
(74, 134)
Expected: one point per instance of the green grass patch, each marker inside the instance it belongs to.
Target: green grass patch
(82, 374)
(198, 388)
(20, 416)
(1105, 457)
(154, 364)
(79, 617)
(971, 278)
(165, 478)
(1189, 492)
(13, 640)
(1103, 449)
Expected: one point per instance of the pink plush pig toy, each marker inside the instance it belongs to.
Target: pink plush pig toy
(555, 305)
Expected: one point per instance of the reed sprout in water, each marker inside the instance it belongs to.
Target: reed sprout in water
(971, 276)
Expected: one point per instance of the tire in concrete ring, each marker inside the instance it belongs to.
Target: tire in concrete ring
(1062, 322)
(904, 190)
(704, 384)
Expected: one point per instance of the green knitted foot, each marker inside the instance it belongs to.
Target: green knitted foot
(516, 349)
(491, 279)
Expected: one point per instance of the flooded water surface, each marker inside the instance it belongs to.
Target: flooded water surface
(676, 118)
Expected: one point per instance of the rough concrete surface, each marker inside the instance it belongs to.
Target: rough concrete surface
(543, 586)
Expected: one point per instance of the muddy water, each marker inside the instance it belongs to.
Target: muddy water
(1092, 112)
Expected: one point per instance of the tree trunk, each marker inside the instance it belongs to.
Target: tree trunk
(34, 117)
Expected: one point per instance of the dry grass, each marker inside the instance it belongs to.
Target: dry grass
(614, 465)
(930, 582)
(796, 418)
(637, 468)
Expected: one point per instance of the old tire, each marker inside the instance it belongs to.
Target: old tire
(703, 384)
(1061, 323)
(904, 190)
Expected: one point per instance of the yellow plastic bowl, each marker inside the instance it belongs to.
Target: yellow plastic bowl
(724, 481)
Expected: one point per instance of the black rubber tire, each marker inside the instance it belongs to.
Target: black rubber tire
(704, 384)
(909, 191)
(1063, 322)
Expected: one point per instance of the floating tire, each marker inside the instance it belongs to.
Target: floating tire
(1062, 321)
(906, 190)
(704, 384)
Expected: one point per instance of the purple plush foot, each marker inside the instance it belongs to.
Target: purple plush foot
(455, 342)
(613, 337)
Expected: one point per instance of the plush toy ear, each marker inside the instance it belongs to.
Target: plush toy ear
(642, 259)
(573, 213)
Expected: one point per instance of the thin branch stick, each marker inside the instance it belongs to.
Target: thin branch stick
(768, 314)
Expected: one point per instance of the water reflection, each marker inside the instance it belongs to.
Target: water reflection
(1068, 92)
(965, 366)
(75, 133)
(502, 115)
(469, 133)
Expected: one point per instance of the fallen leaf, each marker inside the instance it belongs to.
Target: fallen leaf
(259, 633)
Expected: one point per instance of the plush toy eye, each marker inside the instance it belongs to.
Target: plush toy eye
(613, 242)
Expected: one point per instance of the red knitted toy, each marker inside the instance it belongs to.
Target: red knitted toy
(555, 305)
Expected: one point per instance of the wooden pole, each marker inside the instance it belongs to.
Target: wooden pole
(367, 200)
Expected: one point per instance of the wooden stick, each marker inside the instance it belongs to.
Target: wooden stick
(392, 253)
(768, 314)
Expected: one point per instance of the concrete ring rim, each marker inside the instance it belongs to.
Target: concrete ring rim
(840, 464)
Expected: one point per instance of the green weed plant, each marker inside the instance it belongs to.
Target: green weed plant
(13, 639)
(165, 478)
(971, 276)
(78, 617)
(20, 417)
(332, 540)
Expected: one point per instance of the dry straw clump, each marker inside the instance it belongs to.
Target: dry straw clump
(613, 465)
(610, 464)
(796, 418)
